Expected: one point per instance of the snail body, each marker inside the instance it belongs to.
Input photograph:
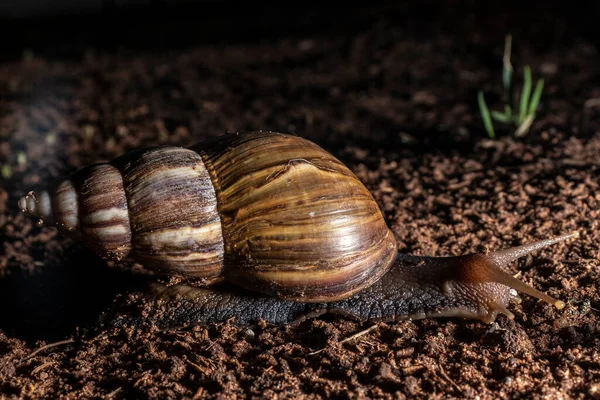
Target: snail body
(268, 226)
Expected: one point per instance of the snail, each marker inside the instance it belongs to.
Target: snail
(267, 225)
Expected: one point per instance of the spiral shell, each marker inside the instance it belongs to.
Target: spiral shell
(271, 212)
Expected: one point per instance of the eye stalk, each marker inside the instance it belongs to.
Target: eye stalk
(484, 268)
(503, 257)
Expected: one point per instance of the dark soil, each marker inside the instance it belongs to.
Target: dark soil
(391, 91)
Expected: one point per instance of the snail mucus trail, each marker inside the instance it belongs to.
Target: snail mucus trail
(268, 226)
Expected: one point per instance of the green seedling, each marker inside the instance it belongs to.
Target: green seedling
(521, 116)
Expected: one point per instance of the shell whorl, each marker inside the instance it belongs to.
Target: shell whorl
(297, 223)
(89, 206)
(173, 213)
(155, 206)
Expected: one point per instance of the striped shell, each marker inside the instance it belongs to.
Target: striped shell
(271, 212)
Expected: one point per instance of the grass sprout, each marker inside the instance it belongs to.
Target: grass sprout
(521, 116)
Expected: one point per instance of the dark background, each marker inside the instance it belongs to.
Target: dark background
(65, 28)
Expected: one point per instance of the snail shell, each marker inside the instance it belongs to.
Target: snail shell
(272, 212)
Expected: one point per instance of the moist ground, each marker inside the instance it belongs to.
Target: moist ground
(394, 97)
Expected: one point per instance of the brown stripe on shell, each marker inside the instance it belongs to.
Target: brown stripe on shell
(173, 212)
(104, 219)
(296, 222)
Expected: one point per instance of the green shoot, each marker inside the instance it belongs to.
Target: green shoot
(535, 99)
(498, 116)
(485, 115)
(527, 105)
(507, 69)
(525, 94)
